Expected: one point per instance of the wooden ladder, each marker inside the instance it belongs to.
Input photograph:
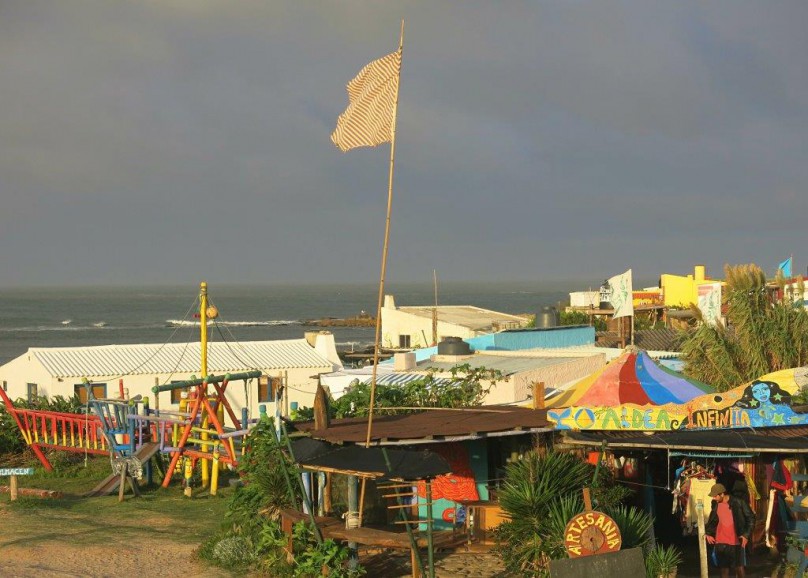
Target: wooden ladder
(398, 492)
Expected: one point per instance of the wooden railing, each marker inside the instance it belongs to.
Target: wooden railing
(70, 432)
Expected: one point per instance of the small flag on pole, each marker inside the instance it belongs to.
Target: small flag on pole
(621, 295)
(369, 119)
(785, 267)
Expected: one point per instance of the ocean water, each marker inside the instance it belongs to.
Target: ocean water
(70, 317)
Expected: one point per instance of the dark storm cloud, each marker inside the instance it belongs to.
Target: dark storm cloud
(167, 141)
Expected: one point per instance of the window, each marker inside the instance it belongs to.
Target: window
(32, 392)
(268, 388)
(404, 341)
(99, 391)
(5, 385)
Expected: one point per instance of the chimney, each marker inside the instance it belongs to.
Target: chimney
(325, 345)
(404, 361)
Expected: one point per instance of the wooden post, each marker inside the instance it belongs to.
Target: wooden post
(587, 500)
(12, 488)
(414, 563)
(122, 484)
(327, 494)
(538, 395)
(702, 541)
(430, 544)
(287, 527)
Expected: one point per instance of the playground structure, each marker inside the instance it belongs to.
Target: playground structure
(131, 432)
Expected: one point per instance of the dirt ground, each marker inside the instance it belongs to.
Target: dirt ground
(58, 542)
(61, 559)
(148, 538)
(29, 548)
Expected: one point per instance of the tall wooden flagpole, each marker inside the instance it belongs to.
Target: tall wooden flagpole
(376, 342)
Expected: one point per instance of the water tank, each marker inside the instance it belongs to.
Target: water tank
(453, 346)
(547, 317)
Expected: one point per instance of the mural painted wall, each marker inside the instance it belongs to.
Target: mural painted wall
(467, 482)
(765, 402)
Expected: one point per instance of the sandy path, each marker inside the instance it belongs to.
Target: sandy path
(54, 559)
(44, 543)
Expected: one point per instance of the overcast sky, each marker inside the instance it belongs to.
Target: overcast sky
(150, 141)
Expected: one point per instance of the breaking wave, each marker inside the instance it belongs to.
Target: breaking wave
(196, 323)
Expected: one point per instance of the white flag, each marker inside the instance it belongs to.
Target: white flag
(621, 295)
(372, 95)
(710, 302)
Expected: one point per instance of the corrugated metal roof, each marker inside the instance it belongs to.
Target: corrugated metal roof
(434, 423)
(155, 358)
(655, 339)
(508, 365)
(403, 378)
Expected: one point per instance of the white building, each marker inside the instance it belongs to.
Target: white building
(584, 299)
(412, 327)
(294, 364)
(555, 368)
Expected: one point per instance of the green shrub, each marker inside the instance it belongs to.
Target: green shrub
(662, 560)
(252, 538)
(540, 494)
(233, 552)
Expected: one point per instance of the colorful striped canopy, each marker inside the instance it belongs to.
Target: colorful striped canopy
(631, 378)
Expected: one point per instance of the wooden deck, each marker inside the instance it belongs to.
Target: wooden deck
(335, 529)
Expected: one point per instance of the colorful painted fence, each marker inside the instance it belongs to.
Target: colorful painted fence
(63, 431)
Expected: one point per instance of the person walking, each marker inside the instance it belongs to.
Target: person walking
(729, 528)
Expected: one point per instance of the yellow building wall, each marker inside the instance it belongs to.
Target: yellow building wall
(679, 290)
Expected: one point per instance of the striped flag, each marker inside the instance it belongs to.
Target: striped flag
(369, 119)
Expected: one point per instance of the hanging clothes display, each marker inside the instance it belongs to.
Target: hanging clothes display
(693, 484)
(778, 514)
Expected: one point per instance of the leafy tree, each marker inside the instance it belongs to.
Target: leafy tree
(465, 388)
(265, 488)
(762, 334)
(581, 318)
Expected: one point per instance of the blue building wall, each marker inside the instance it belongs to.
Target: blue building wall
(552, 338)
(515, 340)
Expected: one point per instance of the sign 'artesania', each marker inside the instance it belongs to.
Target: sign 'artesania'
(591, 533)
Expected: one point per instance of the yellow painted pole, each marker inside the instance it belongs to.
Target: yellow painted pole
(214, 476)
(205, 447)
(188, 491)
(203, 328)
(203, 388)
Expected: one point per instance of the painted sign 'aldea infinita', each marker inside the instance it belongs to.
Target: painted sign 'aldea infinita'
(761, 403)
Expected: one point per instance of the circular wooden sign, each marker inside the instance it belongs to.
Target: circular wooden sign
(591, 533)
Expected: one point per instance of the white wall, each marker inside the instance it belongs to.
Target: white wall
(301, 385)
(517, 387)
(396, 322)
(585, 299)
